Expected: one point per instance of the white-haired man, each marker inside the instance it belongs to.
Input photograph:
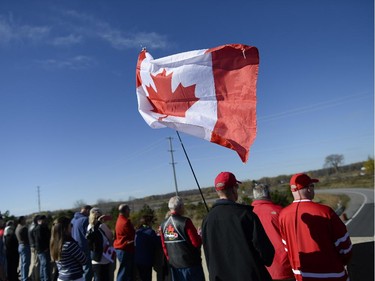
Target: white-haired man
(268, 212)
(181, 244)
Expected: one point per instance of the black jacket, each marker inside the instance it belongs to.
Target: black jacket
(42, 235)
(181, 252)
(235, 244)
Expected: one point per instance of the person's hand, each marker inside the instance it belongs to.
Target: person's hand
(104, 218)
(199, 231)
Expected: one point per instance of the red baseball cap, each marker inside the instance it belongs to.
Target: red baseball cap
(225, 180)
(300, 181)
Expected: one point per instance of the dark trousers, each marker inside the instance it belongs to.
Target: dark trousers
(145, 272)
(12, 266)
(101, 272)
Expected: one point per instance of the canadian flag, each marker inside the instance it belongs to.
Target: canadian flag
(210, 94)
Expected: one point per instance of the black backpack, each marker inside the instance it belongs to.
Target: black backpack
(95, 242)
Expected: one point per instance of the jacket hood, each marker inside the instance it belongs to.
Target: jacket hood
(78, 215)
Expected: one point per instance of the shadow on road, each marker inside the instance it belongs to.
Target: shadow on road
(361, 266)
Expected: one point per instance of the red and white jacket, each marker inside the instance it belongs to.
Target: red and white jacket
(317, 241)
(268, 213)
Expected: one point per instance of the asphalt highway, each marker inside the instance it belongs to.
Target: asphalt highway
(360, 225)
(360, 210)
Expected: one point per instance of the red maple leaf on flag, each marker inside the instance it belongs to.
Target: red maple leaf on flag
(166, 102)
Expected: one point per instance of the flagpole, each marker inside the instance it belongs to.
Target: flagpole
(191, 168)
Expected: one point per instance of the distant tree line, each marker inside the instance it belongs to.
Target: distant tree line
(336, 175)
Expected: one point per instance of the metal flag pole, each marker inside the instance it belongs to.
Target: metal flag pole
(191, 168)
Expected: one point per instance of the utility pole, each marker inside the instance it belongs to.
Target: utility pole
(38, 189)
(173, 164)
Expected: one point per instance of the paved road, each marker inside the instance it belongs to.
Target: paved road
(361, 223)
(360, 212)
(361, 229)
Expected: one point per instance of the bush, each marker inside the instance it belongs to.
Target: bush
(282, 198)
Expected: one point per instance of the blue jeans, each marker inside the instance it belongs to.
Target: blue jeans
(126, 260)
(45, 270)
(25, 254)
(194, 273)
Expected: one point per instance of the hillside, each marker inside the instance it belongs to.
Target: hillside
(350, 176)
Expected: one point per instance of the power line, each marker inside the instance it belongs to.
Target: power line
(314, 107)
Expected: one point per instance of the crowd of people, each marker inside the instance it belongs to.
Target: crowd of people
(263, 241)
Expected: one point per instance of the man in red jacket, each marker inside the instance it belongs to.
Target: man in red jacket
(268, 213)
(317, 241)
(124, 244)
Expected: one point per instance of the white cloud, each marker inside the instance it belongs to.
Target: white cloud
(95, 28)
(5, 32)
(74, 63)
(33, 33)
(138, 40)
(74, 28)
(66, 41)
(11, 31)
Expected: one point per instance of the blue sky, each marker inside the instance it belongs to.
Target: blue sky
(69, 121)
